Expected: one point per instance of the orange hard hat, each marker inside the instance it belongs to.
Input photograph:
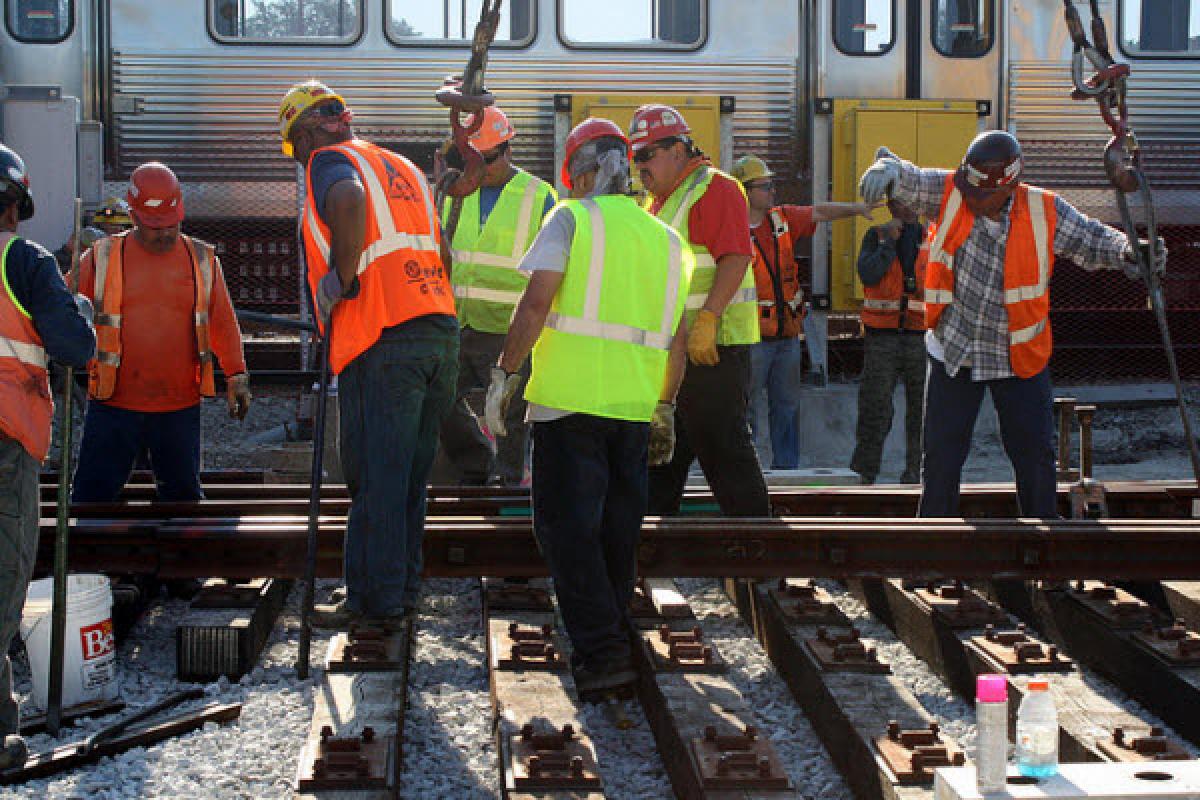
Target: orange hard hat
(589, 130)
(654, 122)
(154, 196)
(495, 131)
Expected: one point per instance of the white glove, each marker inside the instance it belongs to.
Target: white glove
(499, 394)
(877, 182)
(662, 435)
(1132, 266)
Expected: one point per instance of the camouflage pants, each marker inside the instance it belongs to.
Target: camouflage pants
(887, 359)
(18, 547)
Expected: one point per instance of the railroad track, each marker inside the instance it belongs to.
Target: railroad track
(850, 698)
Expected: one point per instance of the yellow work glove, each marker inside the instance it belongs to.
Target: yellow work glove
(702, 339)
(237, 395)
(499, 395)
(662, 435)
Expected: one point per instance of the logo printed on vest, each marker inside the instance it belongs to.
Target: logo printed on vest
(97, 640)
(398, 186)
(422, 278)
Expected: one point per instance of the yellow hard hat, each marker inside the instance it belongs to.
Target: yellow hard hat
(299, 99)
(750, 168)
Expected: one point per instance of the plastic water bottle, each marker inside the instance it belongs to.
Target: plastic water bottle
(1037, 732)
(991, 716)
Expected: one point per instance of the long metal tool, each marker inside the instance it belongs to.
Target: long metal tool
(58, 613)
(314, 509)
(1123, 166)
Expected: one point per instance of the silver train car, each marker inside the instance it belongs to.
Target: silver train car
(92, 88)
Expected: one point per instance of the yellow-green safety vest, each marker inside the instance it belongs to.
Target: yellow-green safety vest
(739, 321)
(603, 350)
(486, 282)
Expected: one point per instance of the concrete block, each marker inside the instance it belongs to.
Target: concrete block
(1164, 780)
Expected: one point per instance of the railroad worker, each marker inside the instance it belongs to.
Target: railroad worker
(38, 319)
(162, 315)
(987, 307)
(777, 362)
(383, 299)
(708, 209)
(891, 266)
(497, 224)
(602, 315)
(113, 217)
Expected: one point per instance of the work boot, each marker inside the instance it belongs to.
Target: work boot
(335, 616)
(337, 595)
(604, 677)
(14, 752)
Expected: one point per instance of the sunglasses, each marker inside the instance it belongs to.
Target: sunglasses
(490, 158)
(645, 156)
(764, 185)
(331, 110)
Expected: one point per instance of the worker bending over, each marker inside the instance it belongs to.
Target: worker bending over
(38, 319)
(987, 306)
(604, 305)
(708, 209)
(891, 266)
(162, 315)
(777, 362)
(497, 224)
(386, 310)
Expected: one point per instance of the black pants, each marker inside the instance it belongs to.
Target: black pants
(711, 424)
(589, 497)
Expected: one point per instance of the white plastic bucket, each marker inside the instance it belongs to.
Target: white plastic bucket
(90, 652)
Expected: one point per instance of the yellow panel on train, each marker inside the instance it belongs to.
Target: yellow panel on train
(932, 133)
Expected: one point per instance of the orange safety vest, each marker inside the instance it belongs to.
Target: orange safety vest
(25, 404)
(765, 270)
(107, 258)
(1028, 265)
(883, 302)
(400, 272)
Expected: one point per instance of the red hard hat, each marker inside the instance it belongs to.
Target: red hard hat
(655, 122)
(589, 130)
(992, 162)
(154, 196)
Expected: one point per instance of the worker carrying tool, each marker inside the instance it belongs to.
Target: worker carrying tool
(385, 307)
(777, 362)
(495, 227)
(987, 306)
(602, 315)
(163, 316)
(708, 209)
(38, 320)
(891, 266)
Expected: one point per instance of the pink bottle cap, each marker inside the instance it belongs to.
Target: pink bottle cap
(991, 689)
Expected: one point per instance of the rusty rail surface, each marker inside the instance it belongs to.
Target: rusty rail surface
(250, 547)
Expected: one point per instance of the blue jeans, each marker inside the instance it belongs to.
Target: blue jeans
(114, 437)
(589, 497)
(392, 399)
(777, 365)
(1024, 407)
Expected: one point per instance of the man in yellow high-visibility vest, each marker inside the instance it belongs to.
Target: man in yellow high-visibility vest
(604, 305)
(497, 224)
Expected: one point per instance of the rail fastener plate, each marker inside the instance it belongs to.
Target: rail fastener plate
(1018, 653)
(1175, 644)
(346, 762)
(959, 606)
(843, 651)
(1148, 745)
(681, 650)
(1114, 605)
(913, 755)
(546, 759)
(367, 649)
(738, 761)
(807, 604)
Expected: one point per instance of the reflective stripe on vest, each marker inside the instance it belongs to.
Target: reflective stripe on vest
(400, 270)
(603, 350)
(739, 320)
(532, 187)
(25, 405)
(108, 263)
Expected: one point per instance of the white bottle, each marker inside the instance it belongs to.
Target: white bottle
(991, 718)
(1037, 732)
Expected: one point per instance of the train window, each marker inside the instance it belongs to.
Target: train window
(963, 28)
(285, 21)
(864, 27)
(39, 21)
(418, 22)
(651, 24)
(1163, 28)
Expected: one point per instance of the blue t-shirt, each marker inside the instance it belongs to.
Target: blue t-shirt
(328, 168)
(489, 195)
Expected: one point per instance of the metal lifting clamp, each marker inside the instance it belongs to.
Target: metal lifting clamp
(466, 94)
(1123, 166)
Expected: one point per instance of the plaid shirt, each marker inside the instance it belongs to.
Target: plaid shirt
(973, 330)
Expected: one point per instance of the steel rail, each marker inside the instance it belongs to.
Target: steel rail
(753, 548)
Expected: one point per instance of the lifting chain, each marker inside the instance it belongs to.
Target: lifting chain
(1108, 86)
